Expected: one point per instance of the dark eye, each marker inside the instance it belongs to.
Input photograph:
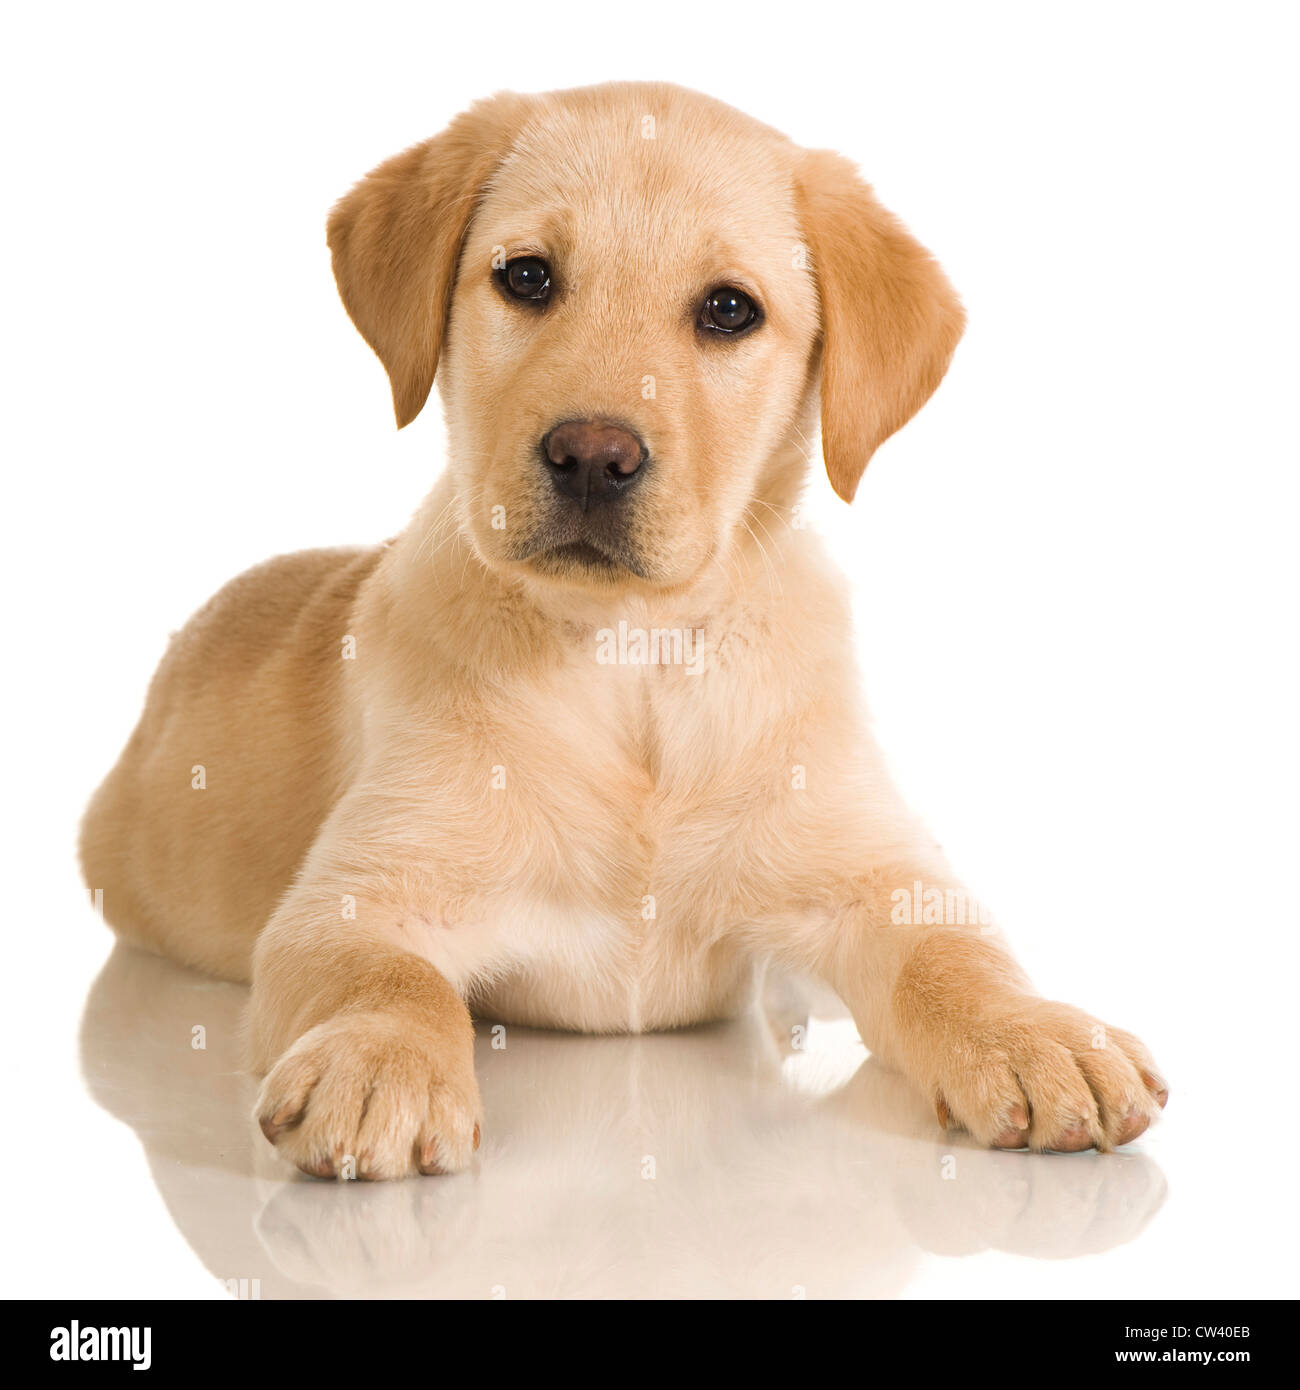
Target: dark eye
(728, 311)
(526, 277)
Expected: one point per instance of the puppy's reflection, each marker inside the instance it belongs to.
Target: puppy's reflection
(718, 1162)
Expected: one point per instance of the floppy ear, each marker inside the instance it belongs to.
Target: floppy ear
(890, 319)
(395, 239)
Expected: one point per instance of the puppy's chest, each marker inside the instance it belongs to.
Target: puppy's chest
(609, 795)
(614, 875)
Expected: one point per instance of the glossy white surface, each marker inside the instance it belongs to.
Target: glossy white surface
(717, 1162)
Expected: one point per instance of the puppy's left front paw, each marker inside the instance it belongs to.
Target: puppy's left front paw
(1040, 1075)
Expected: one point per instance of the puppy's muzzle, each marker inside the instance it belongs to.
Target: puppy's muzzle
(593, 462)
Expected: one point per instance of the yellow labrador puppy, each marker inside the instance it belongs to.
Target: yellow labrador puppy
(583, 745)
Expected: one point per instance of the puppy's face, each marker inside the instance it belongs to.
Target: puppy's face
(630, 339)
(630, 295)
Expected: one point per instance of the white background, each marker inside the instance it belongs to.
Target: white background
(1084, 674)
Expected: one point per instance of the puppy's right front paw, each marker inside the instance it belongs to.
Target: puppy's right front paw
(361, 1096)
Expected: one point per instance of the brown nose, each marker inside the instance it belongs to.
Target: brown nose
(593, 461)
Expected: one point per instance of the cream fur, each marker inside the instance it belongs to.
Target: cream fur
(474, 813)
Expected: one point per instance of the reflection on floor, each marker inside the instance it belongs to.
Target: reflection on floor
(715, 1162)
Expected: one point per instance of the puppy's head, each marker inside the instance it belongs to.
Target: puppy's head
(630, 296)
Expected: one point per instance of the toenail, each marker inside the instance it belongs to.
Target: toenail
(1074, 1140)
(1135, 1124)
(1158, 1086)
